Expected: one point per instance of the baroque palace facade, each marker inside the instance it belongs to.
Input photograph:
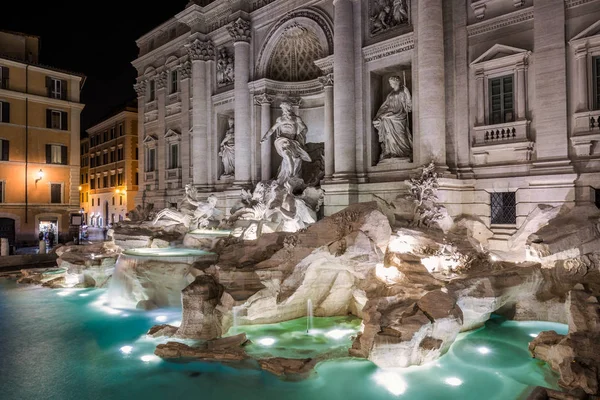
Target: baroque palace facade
(502, 95)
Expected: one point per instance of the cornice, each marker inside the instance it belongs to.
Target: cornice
(575, 3)
(290, 89)
(502, 21)
(389, 47)
(41, 99)
(110, 122)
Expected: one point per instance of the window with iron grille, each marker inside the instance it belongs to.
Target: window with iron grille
(504, 208)
(501, 100)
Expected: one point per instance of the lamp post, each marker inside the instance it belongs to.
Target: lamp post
(40, 175)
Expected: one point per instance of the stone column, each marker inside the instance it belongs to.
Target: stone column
(521, 94)
(481, 100)
(582, 82)
(161, 164)
(265, 101)
(241, 33)
(431, 85)
(328, 130)
(344, 112)
(185, 73)
(140, 89)
(199, 52)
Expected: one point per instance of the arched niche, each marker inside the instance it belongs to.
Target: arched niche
(318, 28)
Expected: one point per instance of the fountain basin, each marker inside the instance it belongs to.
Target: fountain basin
(150, 278)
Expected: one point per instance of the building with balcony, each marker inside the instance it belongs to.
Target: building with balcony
(111, 171)
(39, 136)
(504, 99)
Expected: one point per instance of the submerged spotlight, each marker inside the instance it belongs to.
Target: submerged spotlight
(453, 381)
(393, 382)
(161, 318)
(267, 341)
(484, 350)
(126, 349)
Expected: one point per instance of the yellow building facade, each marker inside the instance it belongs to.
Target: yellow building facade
(39, 138)
(110, 173)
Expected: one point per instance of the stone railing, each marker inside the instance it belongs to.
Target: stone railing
(150, 176)
(174, 98)
(173, 174)
(586, 132)
(587, 122)
(500, 133)
(151, 106)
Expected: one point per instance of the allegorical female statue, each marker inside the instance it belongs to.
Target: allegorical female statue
(290, 137)
(391, 123)
(227, 151)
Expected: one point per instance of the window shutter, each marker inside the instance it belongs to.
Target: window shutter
(5, 112)
(48, 118)
(63, 90)
(64, 125)
(49, 86)
(48, 154)
(5, 144)
(5, 76)
(63, 155)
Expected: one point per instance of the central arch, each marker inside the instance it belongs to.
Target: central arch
(307, 26)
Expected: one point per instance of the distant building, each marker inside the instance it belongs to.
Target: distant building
(111, 171)
(39, 142)
(84, 178)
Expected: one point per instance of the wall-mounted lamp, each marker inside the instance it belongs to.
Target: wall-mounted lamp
(80, 188)
(40, 175)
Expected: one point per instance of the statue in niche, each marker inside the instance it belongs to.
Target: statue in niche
(227, 150)
(388, 14)
(391, 122)
(290, 137)
(191, 212)
(225, 68)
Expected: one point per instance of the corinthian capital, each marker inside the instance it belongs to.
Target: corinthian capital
(140, 88)
(161, 80)
(240, 30)
(186, 70)
(263, 98)
(326, 80)
(203, 50)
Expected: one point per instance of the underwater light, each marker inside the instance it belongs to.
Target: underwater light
(534, 335)
(149, 357)
(453, 381)
(267, 341)
(339, 333)
(126, 349)
(84, 295)
(63, 293)
(161, 318)
(391, 381)
(484, 350)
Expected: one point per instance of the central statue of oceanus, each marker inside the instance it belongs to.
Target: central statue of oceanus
(290, 138)
(191, 212)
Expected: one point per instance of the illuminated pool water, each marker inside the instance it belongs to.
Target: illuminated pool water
(212, 232)
(68, 345)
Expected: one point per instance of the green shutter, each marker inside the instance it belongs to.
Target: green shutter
(64, 121)
(5, 152)
(48, 154)
(63, 155)
(6, 112)
(49, 86)
(48, 118)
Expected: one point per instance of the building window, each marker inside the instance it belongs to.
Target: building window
(596, 63)
(112, 133)
(56, 154)
(57, 119)
(113, 200)
(3, 150)
(120, 130)
(503, 208)
(105, 136)
(174, 82)
(86, 197)
(4, 77)
(98, 183)
(92, 202)
(1, 192)
(137, 179)
(120, 154)
(55, 193)
(151, 91)
(501, 100)
(113, 180)
(120, 200)
(105, 158)
(93, 184)
(112, 156)
(174, 156)
(105, 181)
(120, 179)
(57, 89)
(136, 153)
(86, 178)
(4, 111)
(151, 160)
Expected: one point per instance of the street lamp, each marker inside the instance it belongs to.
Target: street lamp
(40, 175)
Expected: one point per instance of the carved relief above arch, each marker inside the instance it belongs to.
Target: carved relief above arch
(310, 27)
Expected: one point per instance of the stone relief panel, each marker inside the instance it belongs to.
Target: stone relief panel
(225, 68)
(385, 15)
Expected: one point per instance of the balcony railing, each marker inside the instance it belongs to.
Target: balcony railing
(500, 133)
(173, 174)
(586, 133)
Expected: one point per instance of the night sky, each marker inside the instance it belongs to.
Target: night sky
(96, 38)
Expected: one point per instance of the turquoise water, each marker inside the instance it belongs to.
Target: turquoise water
(167, 252)
(65, 344)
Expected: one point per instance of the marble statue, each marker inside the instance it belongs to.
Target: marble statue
(290, 137)
(225, 68)
(391, 123)
(227, 151)
(387, 14)
(191, 212)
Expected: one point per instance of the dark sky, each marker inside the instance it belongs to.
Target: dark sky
(96, 38)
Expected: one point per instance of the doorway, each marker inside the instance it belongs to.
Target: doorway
(7, 230)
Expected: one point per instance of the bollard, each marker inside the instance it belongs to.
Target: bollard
(4, 247)
(42, 247)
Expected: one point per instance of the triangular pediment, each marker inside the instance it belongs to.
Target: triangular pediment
(499, 51)
(150, 138)
(172, 133)
(589, 32)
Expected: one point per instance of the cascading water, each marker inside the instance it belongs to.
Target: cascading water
(235, 311)
(309, 315)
